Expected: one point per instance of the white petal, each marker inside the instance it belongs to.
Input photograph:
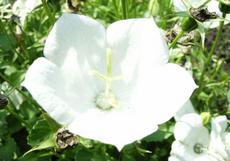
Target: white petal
(182, 151)
(175, 158)
(112, 127)
(227, 142)
(186, 109)
(44, 81)
(217, 144)
(161, 92)
(219, 124)
(189, 130)
(134, 41)
(79, 35)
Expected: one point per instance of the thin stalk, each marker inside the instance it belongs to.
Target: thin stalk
(176, 39)
(124, 9)
(46, 7)
(212, 50)
(13, 113)
(14, 86)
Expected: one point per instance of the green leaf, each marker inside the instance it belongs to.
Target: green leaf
(8, 149)
(43, 155)
(40, 132)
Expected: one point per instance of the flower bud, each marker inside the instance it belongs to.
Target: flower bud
(188, 24)
(202, 14)
(3, 101)
(64, 138)
(206, 117)
(74, 5)
(170, 35)
(225, 8)
(153, 7)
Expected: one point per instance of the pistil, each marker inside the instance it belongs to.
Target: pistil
(106, 100)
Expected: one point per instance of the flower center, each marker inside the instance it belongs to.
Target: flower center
(198, 148)
(107, 100)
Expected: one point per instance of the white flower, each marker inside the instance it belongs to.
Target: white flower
(139, 91)
(186, 109)
(21, 8)
(194, 143)
(220, 141)
(212, 6)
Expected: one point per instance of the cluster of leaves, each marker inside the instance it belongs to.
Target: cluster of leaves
(27, 133)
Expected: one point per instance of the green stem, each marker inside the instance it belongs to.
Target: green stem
(124, 9)
(13, 113)
(46, 7)
(176, 39)
(15, 86)
(212, 50)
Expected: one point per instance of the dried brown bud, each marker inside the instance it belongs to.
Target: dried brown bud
(170, 35)
(64, 138)
(3, 101)
(74, 5)
(202, 14)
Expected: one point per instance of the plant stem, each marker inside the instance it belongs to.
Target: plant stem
(212, 50)
(50, 15)
(13, 113)
(124, 9)
(176, 39)
(15, 86)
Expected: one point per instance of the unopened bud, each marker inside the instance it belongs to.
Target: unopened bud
(202, 14)
(170, 35)
(153, 7)
(188, 24)
(206, 117)
(64, 138)
(3, 101)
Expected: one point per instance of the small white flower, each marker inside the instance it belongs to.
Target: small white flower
(186, 109)
(212, 6)
(220, 143)
(117, 96)
(194, 143)
(21, 8)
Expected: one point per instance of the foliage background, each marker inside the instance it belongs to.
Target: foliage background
(24, 125)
